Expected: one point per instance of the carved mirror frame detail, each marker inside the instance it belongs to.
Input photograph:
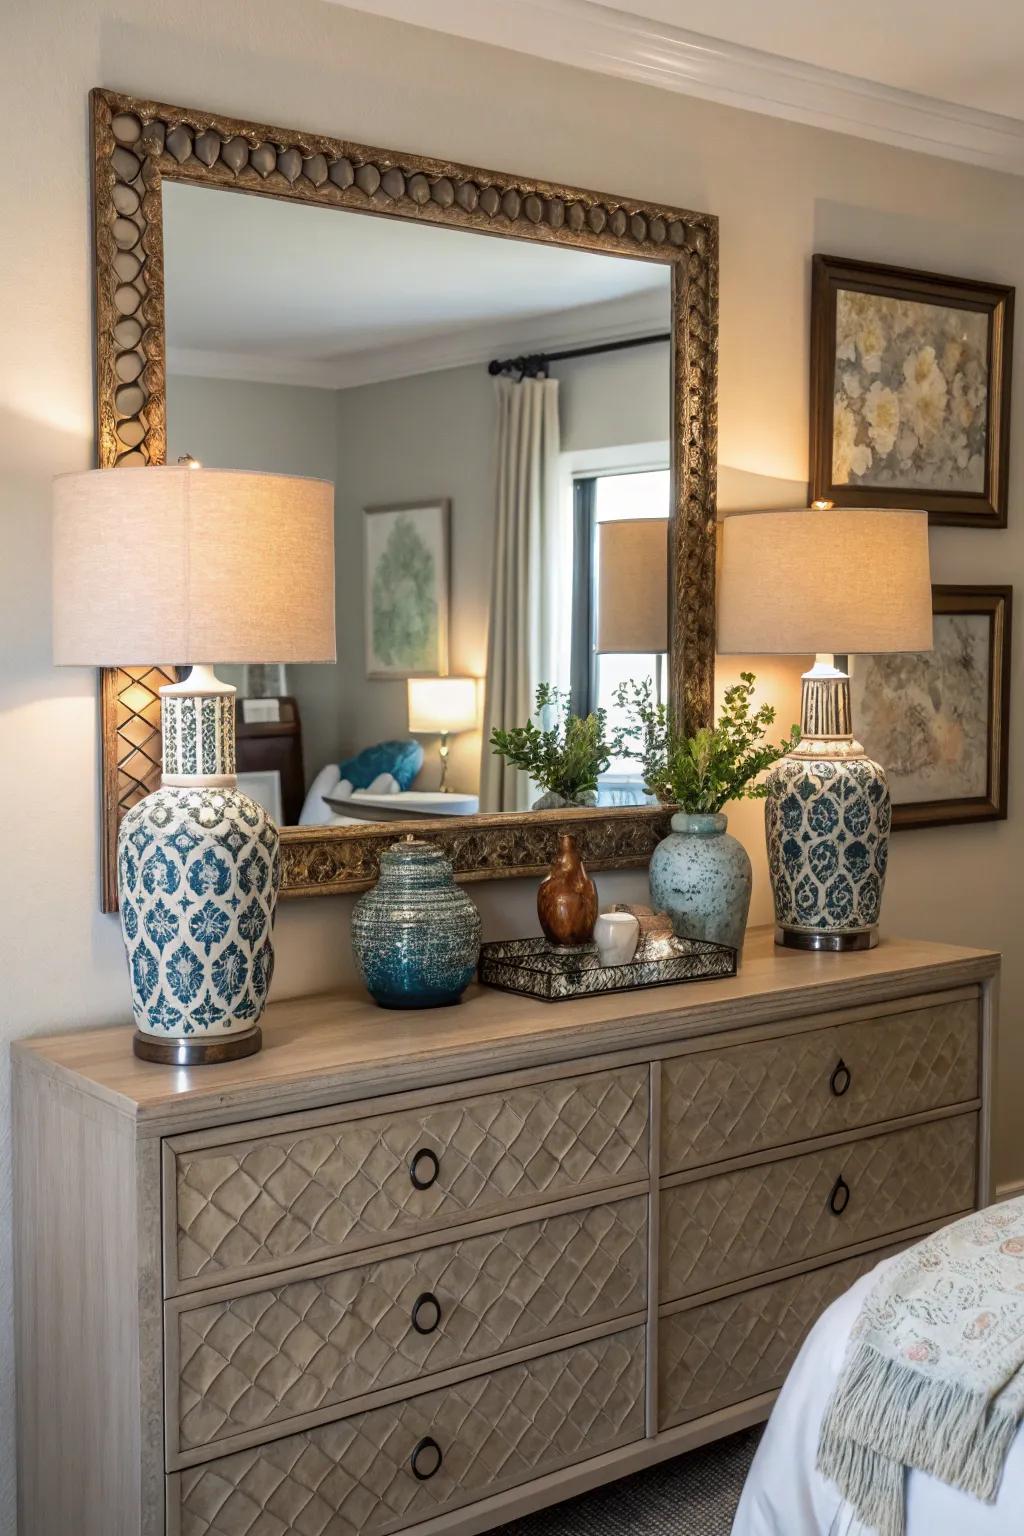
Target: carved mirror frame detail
(136, 144)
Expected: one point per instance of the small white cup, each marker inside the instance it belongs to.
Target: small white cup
(616, 935)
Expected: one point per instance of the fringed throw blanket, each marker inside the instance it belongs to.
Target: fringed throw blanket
(934, 1371)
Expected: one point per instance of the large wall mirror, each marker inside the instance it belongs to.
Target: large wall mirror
(513, 428)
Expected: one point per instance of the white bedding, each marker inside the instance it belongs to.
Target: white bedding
(785, 1496)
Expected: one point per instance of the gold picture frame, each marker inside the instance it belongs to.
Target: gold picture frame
(136, 144)
(864, 291)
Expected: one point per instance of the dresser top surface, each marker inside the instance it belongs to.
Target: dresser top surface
(339, 1045)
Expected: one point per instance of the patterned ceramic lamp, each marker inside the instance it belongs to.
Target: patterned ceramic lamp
(854, 580)
(195, 565)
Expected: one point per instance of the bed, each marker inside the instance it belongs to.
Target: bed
(785, 1496)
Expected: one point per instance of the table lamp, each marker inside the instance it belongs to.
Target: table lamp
(196, 566)
(824, 581)
(440, 706)
(632, 590)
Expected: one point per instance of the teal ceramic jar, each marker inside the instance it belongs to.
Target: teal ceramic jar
(701, 876)
(416, 935)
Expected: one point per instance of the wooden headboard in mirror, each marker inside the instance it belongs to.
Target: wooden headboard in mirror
(257, 333)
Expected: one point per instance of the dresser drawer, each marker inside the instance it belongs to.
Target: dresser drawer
(252, 1361)
(260, 1202)
(731, 1225)
(741, 1098)
(357, 1478)
(726, 1351)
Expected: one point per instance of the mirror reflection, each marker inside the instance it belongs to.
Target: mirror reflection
(501, 507)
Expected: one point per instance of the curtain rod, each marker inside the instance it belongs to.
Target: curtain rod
(535, 363)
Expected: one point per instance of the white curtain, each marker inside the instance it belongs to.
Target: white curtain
(528, 638)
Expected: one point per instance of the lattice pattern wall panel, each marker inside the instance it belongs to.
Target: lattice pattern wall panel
(132, 751)
(712, 1356)
(307, 1193)
(737, 1224)
(355, 1478)
(262, 1358)
(137, 722)
(723, 1103)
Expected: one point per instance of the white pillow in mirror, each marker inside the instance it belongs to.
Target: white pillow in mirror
(315, 811)
(383, 784)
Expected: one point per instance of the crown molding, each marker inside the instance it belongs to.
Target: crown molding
(613, 320)
(590, 35)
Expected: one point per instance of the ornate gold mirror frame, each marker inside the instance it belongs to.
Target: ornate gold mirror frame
(136, 144)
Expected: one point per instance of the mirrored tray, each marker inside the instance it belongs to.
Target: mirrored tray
(536, 969)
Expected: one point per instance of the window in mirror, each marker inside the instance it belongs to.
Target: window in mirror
(620, 601)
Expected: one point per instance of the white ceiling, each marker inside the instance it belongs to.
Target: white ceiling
(969, 54)
(939, 76)
(286, 293)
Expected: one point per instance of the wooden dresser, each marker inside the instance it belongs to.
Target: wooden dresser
(429, 1271)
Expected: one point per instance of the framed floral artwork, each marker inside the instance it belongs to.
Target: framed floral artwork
(406, 589)
(938, 721)
(910, 391)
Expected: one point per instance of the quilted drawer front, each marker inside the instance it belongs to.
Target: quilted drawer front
(742, 1223)
(256, 1360)
(720, 1104)
(391, 1467)
(727, 1351)
(265, 1201)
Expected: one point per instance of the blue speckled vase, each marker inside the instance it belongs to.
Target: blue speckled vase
(701, 876)
(416, 935)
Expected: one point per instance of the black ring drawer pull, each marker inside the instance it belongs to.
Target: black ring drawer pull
(841, 1079)
(426, 1459)
(424, 1168)
(428, 1303)
(839, 1199)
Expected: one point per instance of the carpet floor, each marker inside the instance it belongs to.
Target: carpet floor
(694, 1495)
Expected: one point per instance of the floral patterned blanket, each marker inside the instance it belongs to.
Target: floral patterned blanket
(934, 1373)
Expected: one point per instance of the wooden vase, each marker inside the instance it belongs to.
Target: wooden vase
(567, 899)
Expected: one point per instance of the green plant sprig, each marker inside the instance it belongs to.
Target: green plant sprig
(566, 758)
(702, 772)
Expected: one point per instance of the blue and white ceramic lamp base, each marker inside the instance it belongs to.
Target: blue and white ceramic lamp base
(199, 869)
(827, 820)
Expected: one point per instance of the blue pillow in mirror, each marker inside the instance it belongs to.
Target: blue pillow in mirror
(402, 759)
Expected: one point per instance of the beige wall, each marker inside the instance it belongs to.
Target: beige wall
(399, 441)
(615, 399)
(782, 191)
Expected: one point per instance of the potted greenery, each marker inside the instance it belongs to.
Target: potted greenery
(565, 757)
(699, 874)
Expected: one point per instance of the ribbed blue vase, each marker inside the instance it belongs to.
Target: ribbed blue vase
(416, 935)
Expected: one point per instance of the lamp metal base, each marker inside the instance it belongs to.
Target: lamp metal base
(197, 1053)
(833, 943)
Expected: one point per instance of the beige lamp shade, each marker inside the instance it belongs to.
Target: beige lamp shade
(442, 704)
(180, 564)
(632, 585)
(839, 579)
